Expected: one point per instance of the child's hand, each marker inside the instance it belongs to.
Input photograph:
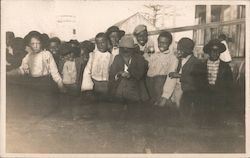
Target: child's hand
(174, 75)
(125, 74)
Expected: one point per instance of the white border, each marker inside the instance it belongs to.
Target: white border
(178, 2)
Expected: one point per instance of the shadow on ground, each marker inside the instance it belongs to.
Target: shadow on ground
(44, 123)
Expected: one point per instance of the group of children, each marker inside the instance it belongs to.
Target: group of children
(125, 67)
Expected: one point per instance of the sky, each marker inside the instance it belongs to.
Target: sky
(91, 17)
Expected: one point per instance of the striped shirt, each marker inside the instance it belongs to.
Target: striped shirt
(213, 67)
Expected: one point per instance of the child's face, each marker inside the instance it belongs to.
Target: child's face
(35, 45)
(114, 38)
(214, 54)
(53, 47)
(163, 43)
(69, 57)
(102, 44)
(142, 38)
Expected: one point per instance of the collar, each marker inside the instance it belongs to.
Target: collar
(97, 51)
(187, 57)
(214, 62)
(166, 52)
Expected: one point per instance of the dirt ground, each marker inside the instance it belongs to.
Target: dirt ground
(45, 123)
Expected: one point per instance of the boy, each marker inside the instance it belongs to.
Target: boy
(160, 64)
(54, 44)
(192, 77)
(70, 69)
(219, 79)
(114, 34)
(127, 72)
(96, 72)
(146, 45)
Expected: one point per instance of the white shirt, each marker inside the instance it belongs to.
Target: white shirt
(213, 68)
(96, 68)
(225, 56)
(69, 72)
(40, 64)
(162, 63)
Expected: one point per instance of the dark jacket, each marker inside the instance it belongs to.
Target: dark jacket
(224, 81)
(135, 85)
(193, 77)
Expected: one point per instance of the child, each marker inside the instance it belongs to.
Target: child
(54, 44)
(96, 72)
(145, 44)
(160, 64)
(114, 34)
(70, 75)
(219, 80)
(192, 78)
(38, 64)
(15, 54)
(86, 47)
(127, 72)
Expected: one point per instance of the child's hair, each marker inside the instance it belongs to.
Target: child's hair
(55, 39)
(101, 35)
(34, 34)
(87, 46)
(167, 35)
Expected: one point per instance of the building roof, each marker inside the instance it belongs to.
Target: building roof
(131, 22)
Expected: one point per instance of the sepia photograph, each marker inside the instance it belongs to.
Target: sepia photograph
(105, 78)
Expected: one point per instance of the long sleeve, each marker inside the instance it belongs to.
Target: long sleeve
(169, 84)
(24, 68)
(87, 83)
(54, 71)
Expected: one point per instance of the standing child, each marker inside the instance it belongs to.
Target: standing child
(127, 72)
(219, 81)
(160, 64)
(96, 72)
(192, 78)
(69, 69)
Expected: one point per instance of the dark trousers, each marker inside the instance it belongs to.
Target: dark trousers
(155, 86)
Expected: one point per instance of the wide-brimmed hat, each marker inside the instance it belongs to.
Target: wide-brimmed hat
(127, 41)
(140, 28)
(115, 29)
(33, 34)
(215, 42)
(88, 46)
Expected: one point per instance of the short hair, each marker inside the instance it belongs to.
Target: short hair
(167, 35)
(101, 35)
(55, 39)
(223, 36)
